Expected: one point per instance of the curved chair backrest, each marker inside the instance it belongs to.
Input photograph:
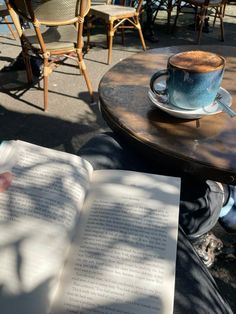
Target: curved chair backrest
(51, 12)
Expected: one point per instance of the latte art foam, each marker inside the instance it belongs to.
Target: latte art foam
(197, 61)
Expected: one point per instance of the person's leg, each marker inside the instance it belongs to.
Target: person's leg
(107, 151)
(199, 213)
(195, 289)
(200, 201)
(200, 205)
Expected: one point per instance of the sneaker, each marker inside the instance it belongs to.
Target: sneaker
(207, 246)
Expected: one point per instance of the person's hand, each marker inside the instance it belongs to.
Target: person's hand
(5, 180)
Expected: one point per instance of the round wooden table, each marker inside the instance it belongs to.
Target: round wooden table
(206, 146)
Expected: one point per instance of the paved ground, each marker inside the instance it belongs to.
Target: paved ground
(71, 120)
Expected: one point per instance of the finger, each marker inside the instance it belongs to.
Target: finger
(5, 180)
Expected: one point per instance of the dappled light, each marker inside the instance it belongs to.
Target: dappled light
(119, 227)
(42, 203)
(121, 102)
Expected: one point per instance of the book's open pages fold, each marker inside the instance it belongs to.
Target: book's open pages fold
(121, 228)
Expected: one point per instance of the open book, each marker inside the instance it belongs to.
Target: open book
(74, 240)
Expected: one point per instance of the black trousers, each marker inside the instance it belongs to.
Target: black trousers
(195, 289)
(200, 200)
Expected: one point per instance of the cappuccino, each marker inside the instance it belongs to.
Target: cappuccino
(197, 61)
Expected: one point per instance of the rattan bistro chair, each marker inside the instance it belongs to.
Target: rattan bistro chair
(124, 16)
(58, 26)
(201, 8)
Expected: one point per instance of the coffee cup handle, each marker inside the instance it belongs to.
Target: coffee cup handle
(153, 80)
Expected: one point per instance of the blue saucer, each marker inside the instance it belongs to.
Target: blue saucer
(162, 103)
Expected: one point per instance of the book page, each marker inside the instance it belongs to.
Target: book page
(123, 258)
(38, 214)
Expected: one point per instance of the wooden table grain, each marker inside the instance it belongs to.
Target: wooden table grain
(205, 147)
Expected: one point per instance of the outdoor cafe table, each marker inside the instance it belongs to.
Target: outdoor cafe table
(205, 146)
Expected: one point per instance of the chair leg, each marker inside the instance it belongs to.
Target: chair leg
(138, 26)
(9, 26)
(169, 10)
(224, 8)
(202, 17)
(215, 16)
(83, 70)
(176, 17)
(110, 41)
(222, 27)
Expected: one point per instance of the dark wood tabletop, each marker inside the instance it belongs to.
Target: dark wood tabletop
(206, 146)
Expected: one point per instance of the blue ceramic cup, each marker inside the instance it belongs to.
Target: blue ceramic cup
(193, 79)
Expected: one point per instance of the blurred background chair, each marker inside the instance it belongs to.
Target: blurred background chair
(162, 5)
(56, 35)
(124, 15)
(202, 10)
(4, 20)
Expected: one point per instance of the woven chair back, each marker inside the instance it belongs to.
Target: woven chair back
(51, 12)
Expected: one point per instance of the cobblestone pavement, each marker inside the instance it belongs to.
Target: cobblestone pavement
(71, 120)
